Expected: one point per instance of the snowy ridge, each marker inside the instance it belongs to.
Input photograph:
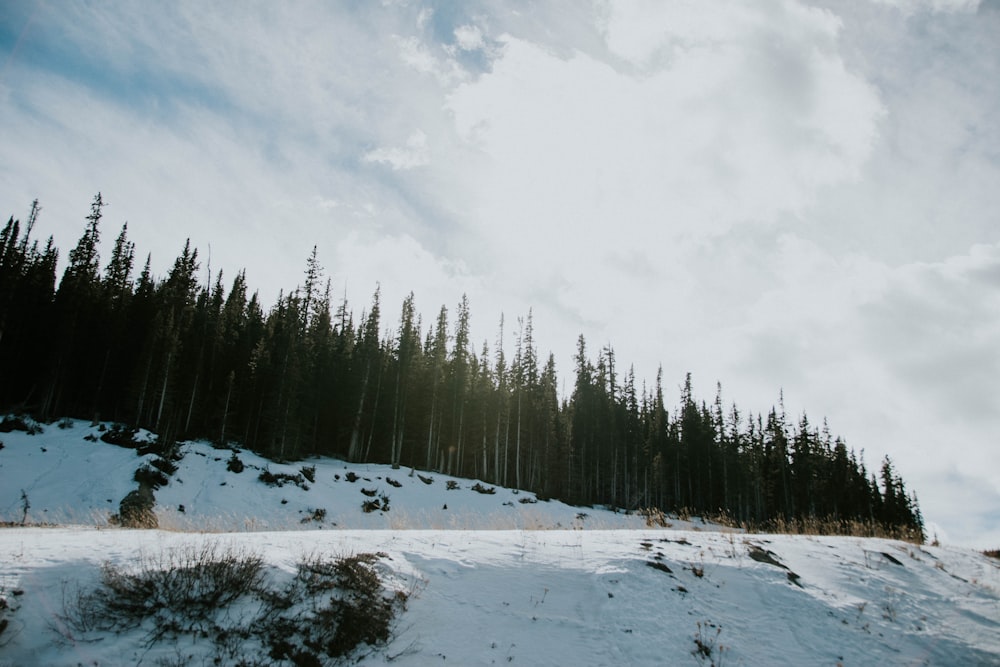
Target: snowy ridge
(585, 591)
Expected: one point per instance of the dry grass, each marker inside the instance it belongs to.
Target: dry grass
(226, 596)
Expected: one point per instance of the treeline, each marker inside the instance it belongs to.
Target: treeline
(193, 359)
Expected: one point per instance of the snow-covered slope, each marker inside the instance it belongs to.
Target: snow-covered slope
(496, 594)
(69, 476)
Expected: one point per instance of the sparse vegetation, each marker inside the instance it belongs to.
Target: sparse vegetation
(317, 515)
(121, 435)
(380, 504)
(20, 423)
(6, 608)
(280, 479)
(25, 506)
(326, 611)
(166, 466)
(707, 648)
(150, 477)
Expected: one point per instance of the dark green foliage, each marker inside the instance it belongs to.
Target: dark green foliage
(150, 477)
(123, 436)
(234, 464)
(303, 378)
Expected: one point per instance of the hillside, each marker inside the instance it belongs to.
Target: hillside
(534, 583)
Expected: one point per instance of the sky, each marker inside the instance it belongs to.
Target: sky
(786, 197)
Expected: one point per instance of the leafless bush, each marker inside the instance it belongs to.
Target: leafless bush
(182, 589)
(706, 644)
(330, 608)
(317, 515)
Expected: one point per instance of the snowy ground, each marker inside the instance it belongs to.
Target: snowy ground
(601, 589)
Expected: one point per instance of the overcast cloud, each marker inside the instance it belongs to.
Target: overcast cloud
(777, 195)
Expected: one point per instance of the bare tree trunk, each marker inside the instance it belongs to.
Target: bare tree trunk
(355, 449)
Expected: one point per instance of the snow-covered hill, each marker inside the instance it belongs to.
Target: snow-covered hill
(531, 583)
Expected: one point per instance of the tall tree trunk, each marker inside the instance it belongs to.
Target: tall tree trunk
(354, 451)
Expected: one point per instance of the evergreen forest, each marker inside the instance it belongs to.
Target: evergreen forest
(309, 375)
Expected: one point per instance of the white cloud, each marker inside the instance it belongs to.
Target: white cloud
(414, 154)
(416, 55)
(469, 38)
(913, 6)
(583, 166)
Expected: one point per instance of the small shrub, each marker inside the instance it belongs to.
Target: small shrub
(181, 590)
(371, 493)
(655, 518)
(391, 482)
(6, 609)
(659, 566)
(330, 608)
(351, 477)
(706, 645)
(147, 476)
(527, 501)
(451, 485)
(309, 472)
(122, 436)
(479, 488)
(234, 464)
(25, 506)
(317, 515)
(20, 423)
(165, 466)
(65, 423)
(425, 480)
(281, 478)
(136, 510)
